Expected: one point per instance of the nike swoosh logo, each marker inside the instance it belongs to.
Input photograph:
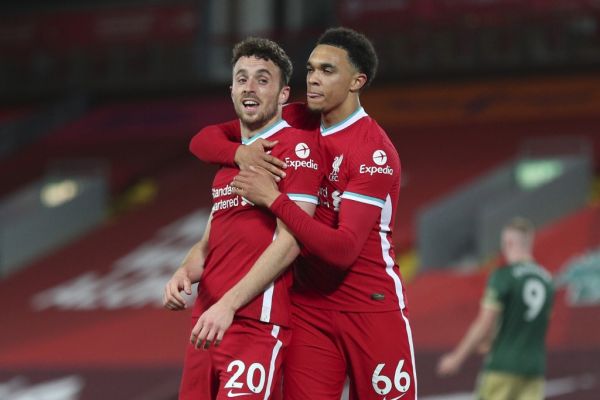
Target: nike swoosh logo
(231, 394)
(395, 398)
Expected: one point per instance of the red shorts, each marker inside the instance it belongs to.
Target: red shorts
(374, 349)
(247, 363)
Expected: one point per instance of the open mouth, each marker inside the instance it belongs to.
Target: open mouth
(250, 105)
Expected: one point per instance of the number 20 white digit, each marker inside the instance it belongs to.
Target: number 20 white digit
(399, 376)
(534, 296)
(232, 383)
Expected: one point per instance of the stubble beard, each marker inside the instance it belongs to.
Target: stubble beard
(314, 108)
(257, 121)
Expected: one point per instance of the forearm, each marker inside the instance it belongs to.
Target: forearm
(272, 262)
(339, 246)
(480, 330)
(215, 144)
(193, 263)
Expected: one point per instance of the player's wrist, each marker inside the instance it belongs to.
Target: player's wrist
(182, 271)
(272, 197)
(231, 300)
(239, 156)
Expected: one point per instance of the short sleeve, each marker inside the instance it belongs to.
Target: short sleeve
(496, 290)
(304, 172)
(374, 172)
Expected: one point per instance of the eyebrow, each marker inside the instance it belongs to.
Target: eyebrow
(260, 71)
(322, 65)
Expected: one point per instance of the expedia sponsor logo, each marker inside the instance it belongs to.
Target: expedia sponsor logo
(364, 169)
(302, 150)
(379, 157)
(301, 163)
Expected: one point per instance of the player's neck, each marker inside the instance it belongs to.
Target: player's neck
(249, 131)
(341, 112)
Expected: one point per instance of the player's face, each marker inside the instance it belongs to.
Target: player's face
(329, 78)
(511, 241)
(256, 91)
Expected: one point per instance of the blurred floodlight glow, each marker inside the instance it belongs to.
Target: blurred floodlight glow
(57, 193)
(533, 174)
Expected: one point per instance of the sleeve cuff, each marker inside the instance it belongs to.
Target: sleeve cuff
(279, 201)
(303, 197)
(361, 198)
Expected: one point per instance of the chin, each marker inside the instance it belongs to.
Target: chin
(314, 107)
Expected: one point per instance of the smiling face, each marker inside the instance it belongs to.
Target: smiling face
(257, 92)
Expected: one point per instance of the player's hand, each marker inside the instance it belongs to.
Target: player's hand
(448, 365)
(172, 298)
(257, 186)
(256, 154)
(211, 325)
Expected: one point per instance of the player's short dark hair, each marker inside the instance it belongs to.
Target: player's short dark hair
(359, 48)
(267, 50)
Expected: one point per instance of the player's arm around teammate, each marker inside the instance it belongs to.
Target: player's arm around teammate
(214, 322)
(220, 144)
(339, 246)
(188, 273)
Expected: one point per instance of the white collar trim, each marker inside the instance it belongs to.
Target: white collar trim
(267, 132)
(352, 118)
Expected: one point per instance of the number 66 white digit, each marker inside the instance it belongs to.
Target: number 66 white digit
(387, 382)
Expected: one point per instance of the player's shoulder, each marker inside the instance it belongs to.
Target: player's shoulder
(373, 142)
(372, 134)
(291, 135)
(501, 274)
(523, 270)
(296, 142)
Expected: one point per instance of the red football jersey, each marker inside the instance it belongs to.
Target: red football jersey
(361, 165)
(241, 232)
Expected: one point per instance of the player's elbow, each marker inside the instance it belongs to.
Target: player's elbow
(197, 145)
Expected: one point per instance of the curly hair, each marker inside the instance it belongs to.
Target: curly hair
(359, 48)
(267, 50)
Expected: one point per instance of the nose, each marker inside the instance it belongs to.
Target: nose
(312, 78)
(250, 85)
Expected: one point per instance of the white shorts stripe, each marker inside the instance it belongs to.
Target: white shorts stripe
(278, 344)
(386, 217)
(412, 350)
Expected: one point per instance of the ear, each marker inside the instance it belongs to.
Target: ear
(358, 81)
(284, 95)
(231, 91)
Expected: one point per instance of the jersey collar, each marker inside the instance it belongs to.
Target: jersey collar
(267, 132)
(352, 118)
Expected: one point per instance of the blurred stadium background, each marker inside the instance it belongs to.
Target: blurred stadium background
(494, 106)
